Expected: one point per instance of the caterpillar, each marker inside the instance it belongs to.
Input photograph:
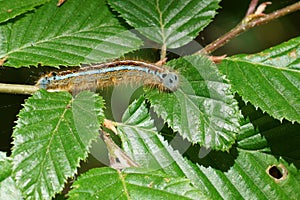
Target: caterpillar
(111, 73)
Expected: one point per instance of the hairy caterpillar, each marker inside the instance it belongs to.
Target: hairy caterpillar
(111, 73)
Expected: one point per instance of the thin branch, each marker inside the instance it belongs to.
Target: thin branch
(18, 89)
(248, 23)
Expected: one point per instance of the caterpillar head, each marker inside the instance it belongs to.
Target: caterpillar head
(170, 81)
(43, 82)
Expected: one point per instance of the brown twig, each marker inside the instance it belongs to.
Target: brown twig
(248, 23)
(217, 59)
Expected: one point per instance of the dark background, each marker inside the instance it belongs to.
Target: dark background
(256, 39)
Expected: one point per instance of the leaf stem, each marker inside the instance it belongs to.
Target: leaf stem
(248, 23)
(163, 52)
(18, 89)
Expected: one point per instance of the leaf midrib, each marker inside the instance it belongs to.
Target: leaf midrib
(51, 141)
(57, 37)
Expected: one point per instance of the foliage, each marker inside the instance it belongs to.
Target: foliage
(270, 79)
(200, 142)
(49, 130)
(67, 35)
(131, 184)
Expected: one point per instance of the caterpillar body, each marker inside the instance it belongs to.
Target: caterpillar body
(111, 73)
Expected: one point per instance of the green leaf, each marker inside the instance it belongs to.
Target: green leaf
(53, 133)
(274, 90)
(240, 174)
(142, 143)
(5, 166)
(108, 183)
(77, 32)
(170, 23)
(284, 141)
(285, 55)
(8, 188)
(11, 9)
(137, 123)
(249, 139)
(248, 178)
(281, 141)
(267, 79)
(203, 109)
